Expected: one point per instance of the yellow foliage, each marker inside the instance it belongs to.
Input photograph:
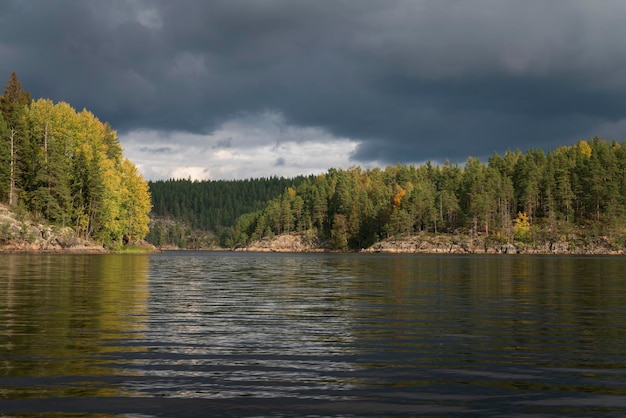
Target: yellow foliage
(522, 226)
(119, 198)
(397, 199)
(584, 149)
(137, 204)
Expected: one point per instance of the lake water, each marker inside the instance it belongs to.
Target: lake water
(186, 334)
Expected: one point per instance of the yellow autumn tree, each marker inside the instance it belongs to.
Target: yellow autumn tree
(81, 178)
(521, 229)
(584, 149)
(136, 203)
(397, 198)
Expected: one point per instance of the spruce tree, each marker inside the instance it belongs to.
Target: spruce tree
(13, 105)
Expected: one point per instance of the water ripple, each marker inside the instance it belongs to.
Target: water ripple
(232, 334)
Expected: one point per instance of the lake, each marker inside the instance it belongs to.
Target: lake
(194, 334)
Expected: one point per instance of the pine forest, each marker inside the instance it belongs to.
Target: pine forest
(575, 192)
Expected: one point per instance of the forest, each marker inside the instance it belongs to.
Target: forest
(532, 197)
(67, 168)
(190, 214)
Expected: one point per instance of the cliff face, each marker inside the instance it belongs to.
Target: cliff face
(18, 234)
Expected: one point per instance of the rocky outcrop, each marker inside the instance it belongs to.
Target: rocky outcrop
(433, 244)
(22, 235)
(295, 243)
(442, 244)
(461, 244)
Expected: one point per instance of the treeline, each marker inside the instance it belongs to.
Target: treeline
(527, 197)
(68, 168)
(185, 212)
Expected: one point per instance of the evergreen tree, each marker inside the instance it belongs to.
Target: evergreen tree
(13, 104)
(5, 161)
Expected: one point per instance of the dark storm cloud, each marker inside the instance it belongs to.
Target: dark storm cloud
(410, 80)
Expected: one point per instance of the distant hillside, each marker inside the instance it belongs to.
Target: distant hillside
(572, 198)
(190, 213)
(574, 195)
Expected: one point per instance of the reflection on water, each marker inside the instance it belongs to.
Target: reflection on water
(198, 334)
(269, 328)
(58, 315)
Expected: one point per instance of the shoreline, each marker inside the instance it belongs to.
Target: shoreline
(296, 243)
(454, 244)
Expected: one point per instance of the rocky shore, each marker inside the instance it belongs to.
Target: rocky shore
(295, 243)
(18, 234)
(459, 244)
(444, 244)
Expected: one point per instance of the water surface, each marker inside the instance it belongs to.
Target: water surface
(188, 334)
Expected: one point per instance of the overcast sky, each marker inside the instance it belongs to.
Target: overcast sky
(239, 89)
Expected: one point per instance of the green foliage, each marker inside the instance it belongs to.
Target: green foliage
(67, 168)
(216, 205)
(532, 197)
(5, 232)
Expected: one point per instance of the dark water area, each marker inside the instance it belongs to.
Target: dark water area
(195, 334)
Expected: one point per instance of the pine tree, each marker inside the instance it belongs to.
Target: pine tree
(5, 161)
(13, 105)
